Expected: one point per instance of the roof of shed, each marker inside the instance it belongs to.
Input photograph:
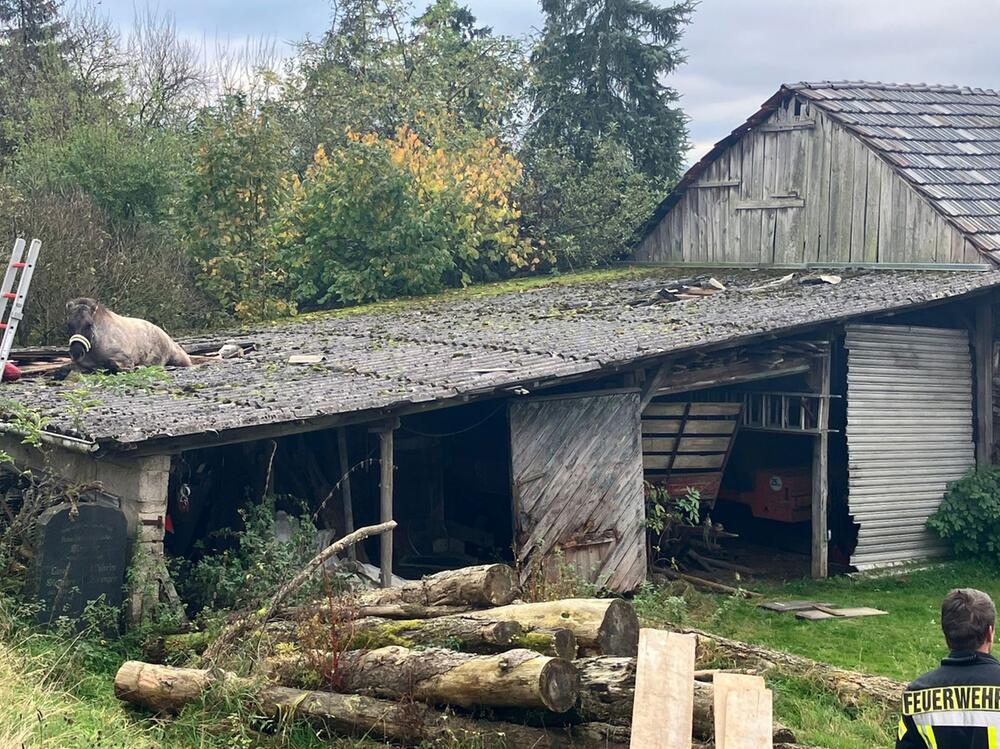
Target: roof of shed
(942, 140)
(476, 343)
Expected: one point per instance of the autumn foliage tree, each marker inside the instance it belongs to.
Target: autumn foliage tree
(381, 217)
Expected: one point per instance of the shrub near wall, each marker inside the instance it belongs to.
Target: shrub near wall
(969, 516)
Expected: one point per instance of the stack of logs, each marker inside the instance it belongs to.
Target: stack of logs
(550, 674)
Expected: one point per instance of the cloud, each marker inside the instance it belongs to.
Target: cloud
(739, 51)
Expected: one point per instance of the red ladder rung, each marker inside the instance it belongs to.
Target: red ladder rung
(4, 326)
(10, 295)
(18, 265)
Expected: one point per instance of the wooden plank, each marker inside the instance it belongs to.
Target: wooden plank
(769, 204)
(712, 184)
(663, 708)
(695, 462)
(659, 444)
(657, 462)
(983, 345)
(822, 181)
(732, 374)
(782, 607)
(874, 169)
(783, 127)
(718, 426)
(749, 720)
(664, 409)
(715, 409)
(704, 444)
(660, 426)
(722, 685)
(841, 177)
(820, 480)
(859, 201)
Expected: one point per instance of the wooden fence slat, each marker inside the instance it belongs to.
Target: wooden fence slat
(662, 711)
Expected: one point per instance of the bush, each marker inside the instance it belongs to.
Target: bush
(969, 516)
(378, 218)
(136, 271)
(248, 573)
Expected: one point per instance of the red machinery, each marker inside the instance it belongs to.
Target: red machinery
(783, 494)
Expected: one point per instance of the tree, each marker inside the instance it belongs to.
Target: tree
(239, 178)
(377, 218)
(377, 69)
(582, 215)
(599, 71)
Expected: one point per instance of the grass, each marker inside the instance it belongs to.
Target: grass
(56, 688)
(901, 645)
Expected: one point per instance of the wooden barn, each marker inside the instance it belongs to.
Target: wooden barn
(818, 367)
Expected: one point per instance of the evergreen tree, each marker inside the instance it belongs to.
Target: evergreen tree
(599, 69)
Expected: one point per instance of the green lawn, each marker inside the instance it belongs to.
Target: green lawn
(901, 645)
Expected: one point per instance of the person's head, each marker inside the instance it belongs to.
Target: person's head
(968, 620)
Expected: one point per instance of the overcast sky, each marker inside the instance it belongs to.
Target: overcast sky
(739, 51)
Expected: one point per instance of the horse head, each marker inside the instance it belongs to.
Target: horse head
(80, 318)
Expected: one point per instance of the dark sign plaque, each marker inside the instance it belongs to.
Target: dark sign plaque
(81, 554)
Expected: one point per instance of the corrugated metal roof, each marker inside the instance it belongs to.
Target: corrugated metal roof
(473, 344)
(943, 140)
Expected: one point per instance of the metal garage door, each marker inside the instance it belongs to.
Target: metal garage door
(909, 433)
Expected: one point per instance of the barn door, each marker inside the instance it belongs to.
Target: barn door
(576, 464)
(909, 434)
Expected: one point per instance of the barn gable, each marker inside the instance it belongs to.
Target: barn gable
(843, 173)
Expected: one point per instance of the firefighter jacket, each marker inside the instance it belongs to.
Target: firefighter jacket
(954, 706)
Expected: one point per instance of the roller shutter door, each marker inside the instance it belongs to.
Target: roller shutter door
(909, 434)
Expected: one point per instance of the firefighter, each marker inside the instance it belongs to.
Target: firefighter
(958, 704)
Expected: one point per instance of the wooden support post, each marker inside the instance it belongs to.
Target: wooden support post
(821, 449)
(385, 434)
(984, 383)
(345, 488)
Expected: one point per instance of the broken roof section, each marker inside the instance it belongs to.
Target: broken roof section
(943, 140)
(478, 343)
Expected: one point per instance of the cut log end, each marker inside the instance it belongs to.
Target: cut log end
(559, 643)
(619, 632)
(559, 684)
(500, 586)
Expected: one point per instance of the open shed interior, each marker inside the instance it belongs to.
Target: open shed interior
(451, 490)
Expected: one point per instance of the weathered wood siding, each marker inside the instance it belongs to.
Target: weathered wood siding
(801, 188)
(576, 463)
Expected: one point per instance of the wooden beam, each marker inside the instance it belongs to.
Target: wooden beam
(984, 382)
(734, 374)
(820, 487)
(385, 432)
(345, 489)
(781, 127)
(652, 385)
(770, 203)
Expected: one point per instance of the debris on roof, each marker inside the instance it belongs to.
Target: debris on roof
(472, 345)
